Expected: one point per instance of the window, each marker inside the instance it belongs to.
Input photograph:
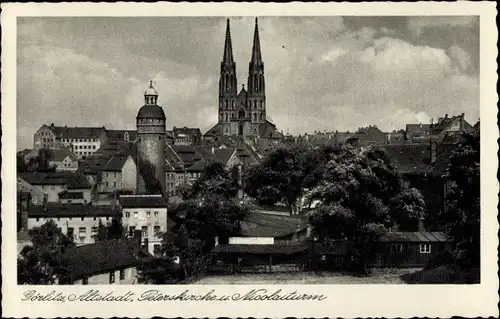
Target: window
(114, 184)
(94, 231)
(85, 281)
(127, 214)
(397, 248)
(111, 277)
(156, 249)
(122, 274)
(70, 218)
(425, 248)
(83, 218)
(107, 218)
(144, 230)
(156, 230)
(131, 231)
(95, 218)
(148, 214)
(82, 232)
(37, 219)
(156, 214)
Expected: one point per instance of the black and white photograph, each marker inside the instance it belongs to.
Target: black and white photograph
(254, 150)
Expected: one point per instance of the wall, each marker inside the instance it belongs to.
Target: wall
(410, 256)
(129, 175)
(73, 222)
(65, 165)
(43, 138)
(36, 194)
(103, 279)
(152, 149)
(145, 217)
(251, 240)
(52, 191)
(110, 181)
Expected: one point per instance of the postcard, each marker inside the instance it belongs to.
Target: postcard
(249, 160)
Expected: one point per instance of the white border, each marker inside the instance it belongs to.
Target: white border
(343, 300)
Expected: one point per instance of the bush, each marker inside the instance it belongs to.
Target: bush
(444, 258)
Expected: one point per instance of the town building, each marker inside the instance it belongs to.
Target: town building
(78, 221)
(63, 160)
(147, 213)
(111, 262)
(186, 136)
(119, 174)
(54, 183)
(445, 128)
(245, 113)
(82, 141)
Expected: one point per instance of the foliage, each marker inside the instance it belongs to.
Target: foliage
(462, 216)
(215, 179)
(199, 221)
(279, 176)
(41, 263)
(41, 163)
(361, 195)
(112, 230)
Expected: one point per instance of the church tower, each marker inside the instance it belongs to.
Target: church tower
(151, 127)
(256, 84)
(227, 85)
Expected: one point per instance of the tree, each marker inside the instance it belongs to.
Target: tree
(282, 172)
(462, 216)
(185, 252)
(359, 194)
(42, 263)
(407, 209)
(112, 230)
(216, 180)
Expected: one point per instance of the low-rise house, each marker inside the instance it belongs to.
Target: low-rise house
(78, 221)
(119, 173)
(410, 249)
(186, 136)
(63, 159)
(111, 262)
(147, 213)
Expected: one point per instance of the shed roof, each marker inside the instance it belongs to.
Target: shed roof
(421, 236)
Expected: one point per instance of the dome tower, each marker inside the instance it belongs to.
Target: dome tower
(151, 127)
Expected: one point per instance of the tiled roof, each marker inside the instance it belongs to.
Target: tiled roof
(222, 155)
(58, 155)
(261, 249)
(268, 130)
(267, 225)
(70, 195)
(421, 236)
(216, 130)
(410, 158)
(53, 210)
(197, 167)
(78, 132)
(119, 134)
(143, 201)
(72, 180)
(115, 163)
(102, 257)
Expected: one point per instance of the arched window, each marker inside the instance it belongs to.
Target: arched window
(255, 83)
(255, 116)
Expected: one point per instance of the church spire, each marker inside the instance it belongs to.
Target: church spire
(256, 55)
(228, 47)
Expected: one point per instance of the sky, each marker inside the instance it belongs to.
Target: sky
(322, 73)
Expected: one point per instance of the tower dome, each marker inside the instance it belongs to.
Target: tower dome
(151, 109)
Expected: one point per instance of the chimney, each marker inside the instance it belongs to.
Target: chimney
(433, 149)
(421, 224)
(216, 241)
(138, 237)
(440, 119)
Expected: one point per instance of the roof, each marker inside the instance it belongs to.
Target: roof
(421, 236)
(151, 111)
(197, 167)
(53, 210)
(410, 157)
(115, 163)
(77, 132)
(71, 179)
(120, 134)
(70, 195)
(268, 130)
(223, 155)
(266, 225)
(142, 201)
(101, 257)
(417, 128)
(58, 155)
(275, 249)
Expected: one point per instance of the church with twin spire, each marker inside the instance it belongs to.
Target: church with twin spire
(243, 113)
